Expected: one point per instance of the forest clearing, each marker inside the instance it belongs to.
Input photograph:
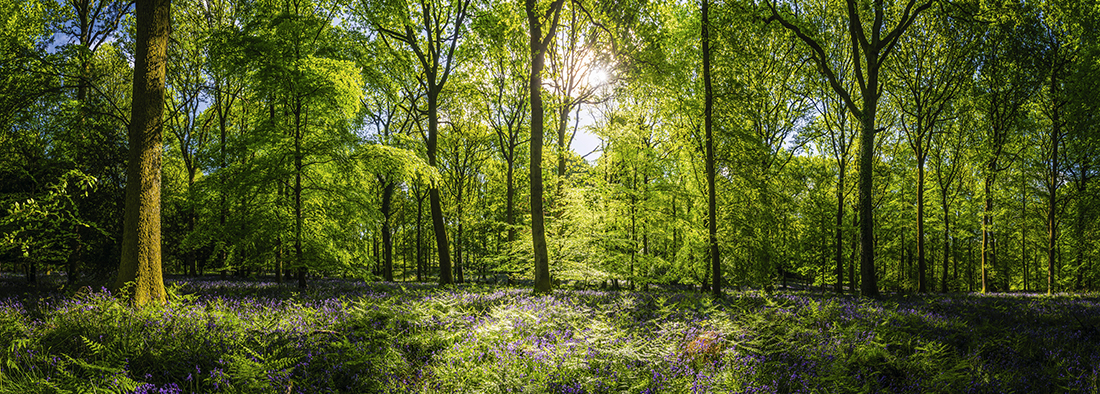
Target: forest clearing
(344, 336)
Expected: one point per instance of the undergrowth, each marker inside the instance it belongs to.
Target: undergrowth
(344, 337)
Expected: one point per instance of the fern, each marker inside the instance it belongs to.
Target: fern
(95, 347)
(260, 370)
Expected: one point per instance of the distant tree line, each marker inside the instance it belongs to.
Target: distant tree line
(853, 146)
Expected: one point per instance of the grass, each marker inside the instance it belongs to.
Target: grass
(219, 336)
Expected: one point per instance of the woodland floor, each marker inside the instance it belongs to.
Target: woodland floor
(237, 336)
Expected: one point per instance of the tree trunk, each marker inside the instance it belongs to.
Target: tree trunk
(987, 222)
(438, 223)
(538, 46)
(1023, 240)
(459, 264)
(946, 241)
(853, 281)
(140, 265)
(299, 215)
(633, 231)
(387, 232)
(712, 196)
(923, 277)
(1053, 182)
(421, 266)
(509, 198)
(563, 146)
(839, 244)
(279, 259)
(868, 283)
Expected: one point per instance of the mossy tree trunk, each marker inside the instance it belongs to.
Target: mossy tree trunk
(140, 268)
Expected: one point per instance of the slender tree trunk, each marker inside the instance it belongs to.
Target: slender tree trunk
(387, 232)
(223, 202)
(459, 264)
(299, 215)
(1079, 229)
(538, 45)
(923, 278)
(421, 265)
(1023, 240)
(712, 196)
(563, 146)
(140, 264)
(633, 231)
(946, 241)
(853, 281)
(1053, 182)
(1052, 226)
(279, 258)
(509, 204)
(987, 222)
(907, 259)
(839, 241)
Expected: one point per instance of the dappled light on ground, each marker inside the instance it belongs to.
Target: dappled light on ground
(345, 336)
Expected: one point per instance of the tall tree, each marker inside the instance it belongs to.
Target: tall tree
(947, 164)
(1066, 31)
(575, 66)
(505, 64)
(390, 103)
(871, 47)
(1003, 85)
(464, 149)
(432, 32)
(841, 137)
(773, 106)
(141, 258)
(187, 82)
(539, 44)
(931, 67)
(708, 127)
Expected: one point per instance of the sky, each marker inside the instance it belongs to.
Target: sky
(585, 142)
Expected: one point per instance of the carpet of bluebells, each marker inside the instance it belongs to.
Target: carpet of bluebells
(236, 336)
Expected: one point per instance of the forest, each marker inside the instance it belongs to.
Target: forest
(594, 195)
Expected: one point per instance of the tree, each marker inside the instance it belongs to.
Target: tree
(575, 64)
(1083, 160)
(432, 31)
(871, 49)
(538, 45)
(708, 127)
(141, 258)
(771, 108)
(841, 136)
(1004, 84)
(389, 101)
(505, 98)
(925, 87)
(464, 149)
(187, 82)
(1066, 31)
(948, 165)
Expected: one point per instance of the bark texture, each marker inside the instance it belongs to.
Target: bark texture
(139, 272)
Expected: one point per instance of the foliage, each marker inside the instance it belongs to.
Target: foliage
(45, 225)
(347, 336)
(309, 137)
